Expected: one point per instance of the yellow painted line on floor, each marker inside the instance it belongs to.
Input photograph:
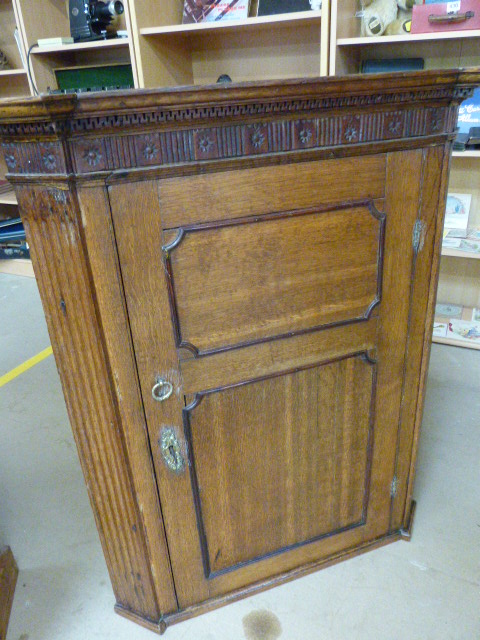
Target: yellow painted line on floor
(28, 364)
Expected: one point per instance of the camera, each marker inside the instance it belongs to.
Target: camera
(89, 19)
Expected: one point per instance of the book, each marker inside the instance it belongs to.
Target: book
(195, 11)
(464, 330)
(440, 329)
(52, 42)
(386, 65)
(468, 242)
(274, 7)
(450, 243)
(457, 212)
(448, 310)
(469, 246)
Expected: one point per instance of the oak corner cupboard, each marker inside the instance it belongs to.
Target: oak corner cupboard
(239, 284)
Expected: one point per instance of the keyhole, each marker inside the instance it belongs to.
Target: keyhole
(173, 454)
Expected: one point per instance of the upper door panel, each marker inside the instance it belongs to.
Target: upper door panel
(275, 275)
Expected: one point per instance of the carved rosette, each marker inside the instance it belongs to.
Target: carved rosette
(37, 157)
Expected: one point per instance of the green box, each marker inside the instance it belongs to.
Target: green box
(95, 78)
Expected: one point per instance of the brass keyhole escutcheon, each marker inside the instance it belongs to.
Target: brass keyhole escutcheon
(171, 450)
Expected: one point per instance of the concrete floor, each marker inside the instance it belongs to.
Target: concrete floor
(426, 589)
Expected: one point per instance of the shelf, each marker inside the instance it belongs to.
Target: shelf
(17, 267)
(466, 154)
(12, 72)
(258, 22)
(417, 37)
(455, 253)
(467, 314)
(82, 46)
(8, 198)
(456, 343)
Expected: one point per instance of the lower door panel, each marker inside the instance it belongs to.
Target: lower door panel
(280, 462)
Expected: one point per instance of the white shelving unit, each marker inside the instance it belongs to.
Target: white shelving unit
(459, 271)
(170, 53)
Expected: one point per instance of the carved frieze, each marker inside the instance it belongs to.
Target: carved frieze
(144, 137)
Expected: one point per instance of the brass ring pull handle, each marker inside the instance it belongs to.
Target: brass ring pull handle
(450, 18)
(162, 389)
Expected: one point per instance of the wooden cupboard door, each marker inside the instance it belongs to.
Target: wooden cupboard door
(275, 301)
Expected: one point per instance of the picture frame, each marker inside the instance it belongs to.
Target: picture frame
(197, 11)
(457, 212)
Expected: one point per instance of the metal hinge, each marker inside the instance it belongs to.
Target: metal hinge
(418, 236)
(394, 487)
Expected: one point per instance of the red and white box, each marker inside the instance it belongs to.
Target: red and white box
(446, 16)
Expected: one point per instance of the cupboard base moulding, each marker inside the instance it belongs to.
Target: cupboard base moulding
(191, 612)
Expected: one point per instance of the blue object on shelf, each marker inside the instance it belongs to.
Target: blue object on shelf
(469, 113)
(11, 230)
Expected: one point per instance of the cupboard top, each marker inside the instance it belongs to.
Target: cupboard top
(82, 134)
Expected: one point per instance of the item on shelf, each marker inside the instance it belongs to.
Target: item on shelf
(469, 242)
(469, 113)
(214, 10)
(401, 26)
(52, 42)
(440, 329)
(14, 251)
(11, 229)
(464, 330)
(377, 15)
(473, 233)
(448, 310)
(12, 240)
(473, 138)
(450, 243)
(447, 16)
(386, 65)
(224, 78)
(273, 7)
(469, 246)
(4, 64)
(386, 17)
(89, 19)
(460, 142)
(457, 212)
(94, 78)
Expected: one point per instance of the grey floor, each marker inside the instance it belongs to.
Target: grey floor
(426, 589)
